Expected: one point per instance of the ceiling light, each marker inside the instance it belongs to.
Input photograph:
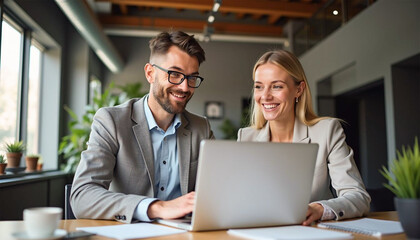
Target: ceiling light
(335, 12)
(208, 31)
(210, 19)
(216, 5)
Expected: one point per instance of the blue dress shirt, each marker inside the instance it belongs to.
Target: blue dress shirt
(167, 183)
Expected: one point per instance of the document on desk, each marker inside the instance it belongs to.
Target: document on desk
(368, 226)
(288, 232)
(130, 231)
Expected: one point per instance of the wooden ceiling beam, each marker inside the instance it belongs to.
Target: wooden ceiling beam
(240, 15)
(273, 19)
(124, 9)
(263, 7)
(190, 25)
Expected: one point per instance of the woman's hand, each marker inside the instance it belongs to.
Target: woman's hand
(314, 213)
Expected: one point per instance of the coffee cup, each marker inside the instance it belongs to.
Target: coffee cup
(41, 222)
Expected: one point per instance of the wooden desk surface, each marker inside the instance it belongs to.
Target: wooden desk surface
(9, 227)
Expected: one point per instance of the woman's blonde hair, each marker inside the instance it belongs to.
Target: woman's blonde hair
(289, 63)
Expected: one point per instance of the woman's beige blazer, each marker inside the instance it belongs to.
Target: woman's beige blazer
(334, 166)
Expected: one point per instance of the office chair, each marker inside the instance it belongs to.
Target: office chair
(68, 213)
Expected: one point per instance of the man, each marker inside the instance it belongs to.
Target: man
(141, 160)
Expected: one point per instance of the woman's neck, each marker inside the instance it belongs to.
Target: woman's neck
(282, 131)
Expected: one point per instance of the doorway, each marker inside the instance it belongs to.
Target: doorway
(363, 110)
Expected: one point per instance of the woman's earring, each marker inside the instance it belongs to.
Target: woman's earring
(297, 99)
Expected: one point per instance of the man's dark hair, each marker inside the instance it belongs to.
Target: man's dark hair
(160, 44)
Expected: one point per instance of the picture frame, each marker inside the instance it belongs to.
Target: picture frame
(214, 110)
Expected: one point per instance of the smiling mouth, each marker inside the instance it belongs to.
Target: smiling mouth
(269, 106)
(179, 95)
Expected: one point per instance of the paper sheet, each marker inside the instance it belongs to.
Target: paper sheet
(130, 231)
(289, 232)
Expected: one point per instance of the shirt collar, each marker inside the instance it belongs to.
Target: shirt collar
(151, 120)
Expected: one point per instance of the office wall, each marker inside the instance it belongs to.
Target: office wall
(383, 34)
(227, 73)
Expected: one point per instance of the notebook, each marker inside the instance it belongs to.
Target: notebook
(368, 226)
(289, 233)
(250, 184)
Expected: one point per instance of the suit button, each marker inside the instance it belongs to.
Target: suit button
(162, 188)
(341, 214)
(164, 162)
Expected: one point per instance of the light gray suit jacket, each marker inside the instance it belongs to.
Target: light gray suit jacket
(334, 166)
(116, 171)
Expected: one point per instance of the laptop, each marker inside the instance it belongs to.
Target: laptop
(250, 184)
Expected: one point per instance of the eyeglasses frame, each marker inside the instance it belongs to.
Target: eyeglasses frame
(169, 72)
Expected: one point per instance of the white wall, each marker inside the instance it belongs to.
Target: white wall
(367, 46)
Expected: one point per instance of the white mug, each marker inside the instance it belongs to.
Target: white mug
(41, 222)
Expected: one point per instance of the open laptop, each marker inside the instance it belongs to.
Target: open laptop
(250, 184)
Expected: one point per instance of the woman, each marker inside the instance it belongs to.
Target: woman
(282, 112)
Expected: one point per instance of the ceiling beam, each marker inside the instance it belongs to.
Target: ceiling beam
(262, 7)
(124, 9)
(191, 25)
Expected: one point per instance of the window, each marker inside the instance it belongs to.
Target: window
(34, 98)
(10, 67)
(95, 87)
(20, 82)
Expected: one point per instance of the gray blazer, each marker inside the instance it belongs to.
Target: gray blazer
(116, 171)
(334, 166)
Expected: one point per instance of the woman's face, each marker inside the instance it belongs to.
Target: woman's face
(275, 92)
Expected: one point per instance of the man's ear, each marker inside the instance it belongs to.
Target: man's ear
(149, 72)
(301, 87)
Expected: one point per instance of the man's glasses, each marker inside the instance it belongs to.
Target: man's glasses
(177, 78)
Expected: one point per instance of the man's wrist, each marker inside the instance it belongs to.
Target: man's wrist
(154, 209)
(141, 211)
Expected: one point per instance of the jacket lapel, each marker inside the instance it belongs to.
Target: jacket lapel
(264, 134)
(142, 134)
(300, 132)
(183, 141)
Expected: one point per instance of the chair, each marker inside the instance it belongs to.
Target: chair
(68, 213)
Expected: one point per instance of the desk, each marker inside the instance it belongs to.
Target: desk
(8, 227)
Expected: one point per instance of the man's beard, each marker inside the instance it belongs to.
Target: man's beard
(164, 101)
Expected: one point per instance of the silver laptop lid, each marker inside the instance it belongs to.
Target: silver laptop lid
(252, 184)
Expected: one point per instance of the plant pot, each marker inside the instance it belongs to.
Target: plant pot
(13, 159)
(409, 214)
(39, 166)
(31, 164)
(2, 168)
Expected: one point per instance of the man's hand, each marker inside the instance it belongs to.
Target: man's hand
(172, 209)
(314, 213)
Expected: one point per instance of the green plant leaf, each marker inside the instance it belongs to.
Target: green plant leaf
(73, 144)
(403, 174)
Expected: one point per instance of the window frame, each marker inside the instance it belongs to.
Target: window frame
(27, 41)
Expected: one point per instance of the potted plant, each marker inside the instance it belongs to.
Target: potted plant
(40, 164)
(31, 162)
(403, 176)
(2, 164)
(14, 152)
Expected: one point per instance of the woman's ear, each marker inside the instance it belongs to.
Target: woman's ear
(148, 72)
(301, 87)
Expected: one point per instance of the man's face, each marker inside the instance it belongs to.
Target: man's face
(173, 98)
